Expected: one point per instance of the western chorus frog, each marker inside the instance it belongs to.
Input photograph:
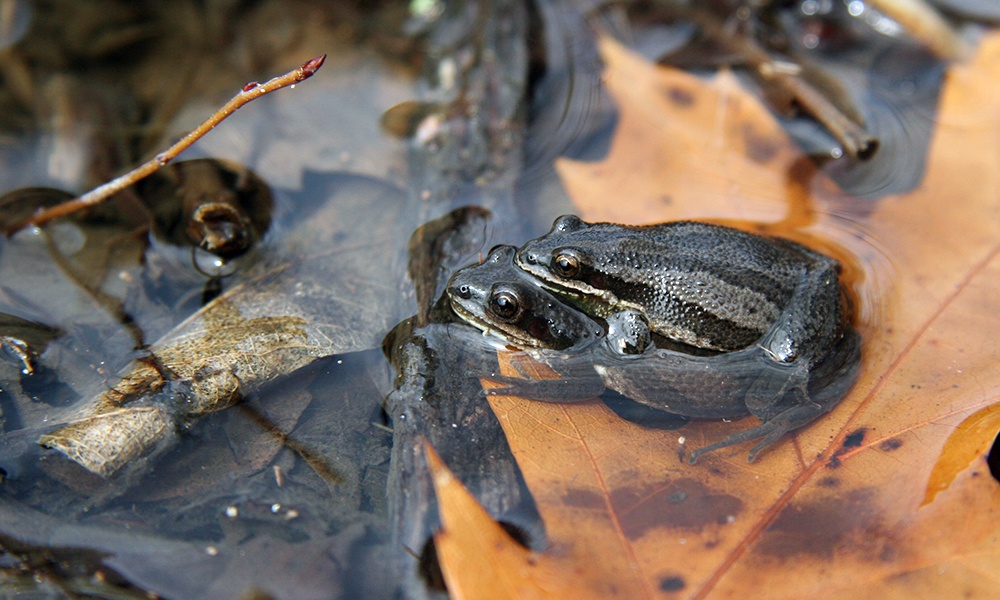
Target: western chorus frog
(705, 285)
(618, 352)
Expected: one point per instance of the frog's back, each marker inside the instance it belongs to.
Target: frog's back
(692, 246)
(705, 285)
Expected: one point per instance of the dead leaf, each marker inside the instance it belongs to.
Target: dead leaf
(969, 441)
(876, 498)
(285, 314)
(469, 532)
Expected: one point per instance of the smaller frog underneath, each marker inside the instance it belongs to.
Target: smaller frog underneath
(618, 352)
(500, 299)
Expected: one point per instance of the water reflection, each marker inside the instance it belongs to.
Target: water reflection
(873, 75)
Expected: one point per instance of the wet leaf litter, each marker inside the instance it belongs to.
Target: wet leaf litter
(640, 526)
(870, 495)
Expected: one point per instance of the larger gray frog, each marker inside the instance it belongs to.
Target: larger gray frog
(707, 286)
(618, 352)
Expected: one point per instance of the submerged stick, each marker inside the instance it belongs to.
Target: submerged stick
(854, 139)
(788, 79)
(250, 91)
(926, 25)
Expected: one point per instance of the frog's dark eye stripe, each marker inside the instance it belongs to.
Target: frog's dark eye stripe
(540, 329)
(565, 263)
(505, 304)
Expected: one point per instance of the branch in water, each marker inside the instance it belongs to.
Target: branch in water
(787, 79)
(250, 91)
(926, 25)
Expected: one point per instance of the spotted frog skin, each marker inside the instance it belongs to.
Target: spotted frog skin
(618, 352)
(707, 286)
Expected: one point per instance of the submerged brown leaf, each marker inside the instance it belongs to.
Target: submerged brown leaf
(887, 495)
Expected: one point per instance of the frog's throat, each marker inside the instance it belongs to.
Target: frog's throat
(578, 292)
(509, 334)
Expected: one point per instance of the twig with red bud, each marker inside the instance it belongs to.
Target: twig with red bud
(250, 91)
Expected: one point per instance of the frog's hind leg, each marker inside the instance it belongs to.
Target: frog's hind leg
(813, 318)
(770, 431)
(828, 384)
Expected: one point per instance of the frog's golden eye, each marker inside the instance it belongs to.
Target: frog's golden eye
(566, 264)
(505, 304)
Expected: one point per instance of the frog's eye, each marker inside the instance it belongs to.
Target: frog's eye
(505, 304)
(566, 264)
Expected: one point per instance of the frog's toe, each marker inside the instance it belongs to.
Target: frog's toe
(789, 420)
(770, 431)
(736, 438)
(509, 385)
(769, 439)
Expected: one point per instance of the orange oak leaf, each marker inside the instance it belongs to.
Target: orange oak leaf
(468, 534)
(879, 496)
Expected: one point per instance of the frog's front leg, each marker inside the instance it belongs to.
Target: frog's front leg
(627, 334)
(578, 380)
(813, 318)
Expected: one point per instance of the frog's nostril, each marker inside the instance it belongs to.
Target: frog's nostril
(463, 291)
(531, 258)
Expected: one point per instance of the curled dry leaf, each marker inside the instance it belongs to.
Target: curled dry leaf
(876, 498)
(971, 440)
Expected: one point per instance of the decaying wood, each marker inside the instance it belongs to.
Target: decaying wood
(206, 365)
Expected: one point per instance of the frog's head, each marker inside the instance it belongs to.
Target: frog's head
(500, 299)
(568, 258)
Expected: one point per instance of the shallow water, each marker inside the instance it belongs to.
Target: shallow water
(286, 491)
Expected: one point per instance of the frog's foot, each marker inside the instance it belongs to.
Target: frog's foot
(567, 389)
(770, 431)
(827, 384)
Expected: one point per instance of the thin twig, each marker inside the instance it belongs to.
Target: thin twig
(250, 91)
